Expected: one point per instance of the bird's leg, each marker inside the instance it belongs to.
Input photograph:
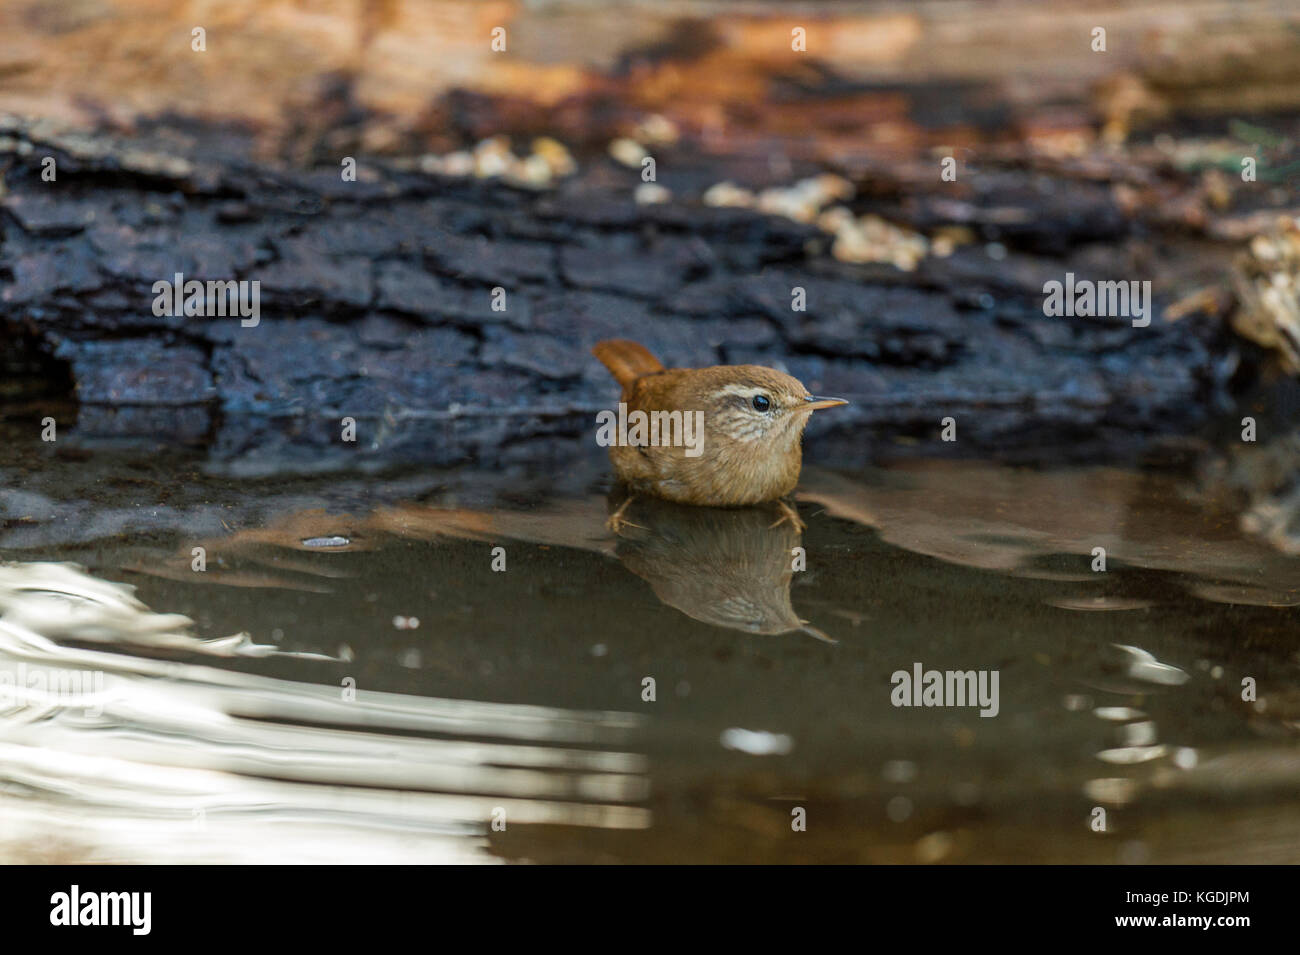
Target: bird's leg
(615, 521)
(788, 513)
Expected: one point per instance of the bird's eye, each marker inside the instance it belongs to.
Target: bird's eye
(761, 403)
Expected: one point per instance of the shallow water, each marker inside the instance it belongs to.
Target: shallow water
(351, 679)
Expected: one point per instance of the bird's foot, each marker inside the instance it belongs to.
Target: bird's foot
(615, 523)
(788, 513)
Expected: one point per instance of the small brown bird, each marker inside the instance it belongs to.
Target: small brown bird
(752, 417)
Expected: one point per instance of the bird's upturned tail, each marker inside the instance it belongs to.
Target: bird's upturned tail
(627, 361)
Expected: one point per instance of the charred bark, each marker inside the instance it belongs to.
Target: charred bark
(376, 303)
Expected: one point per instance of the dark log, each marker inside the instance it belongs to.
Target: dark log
(376, 304)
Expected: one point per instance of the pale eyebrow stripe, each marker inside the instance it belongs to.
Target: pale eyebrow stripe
(742, 390)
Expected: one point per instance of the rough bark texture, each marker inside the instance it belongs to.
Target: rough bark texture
(376, 304)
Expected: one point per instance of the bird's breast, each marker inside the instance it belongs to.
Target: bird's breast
(717, 478)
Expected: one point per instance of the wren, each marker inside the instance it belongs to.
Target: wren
(753, 417)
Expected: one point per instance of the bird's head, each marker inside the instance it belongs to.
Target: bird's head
(750, 403)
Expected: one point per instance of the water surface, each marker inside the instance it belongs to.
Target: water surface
(382, 669)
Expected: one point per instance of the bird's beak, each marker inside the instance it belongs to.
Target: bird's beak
(814, 403)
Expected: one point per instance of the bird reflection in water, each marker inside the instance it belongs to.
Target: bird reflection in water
(724, 566)
(731, 567)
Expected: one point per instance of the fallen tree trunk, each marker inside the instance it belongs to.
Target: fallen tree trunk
(437, 311)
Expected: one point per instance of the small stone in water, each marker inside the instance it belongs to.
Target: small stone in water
(335, 541)
(757, 742)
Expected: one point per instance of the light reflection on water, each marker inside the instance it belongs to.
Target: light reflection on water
(125, 757)
(521, 691)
